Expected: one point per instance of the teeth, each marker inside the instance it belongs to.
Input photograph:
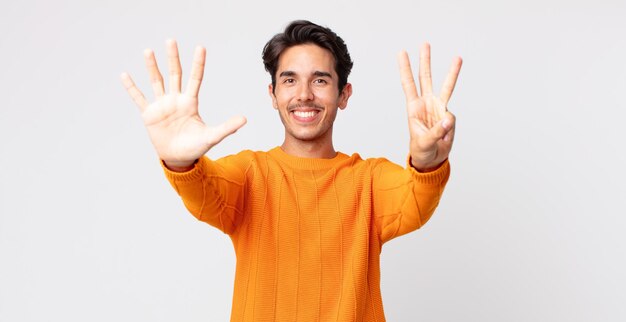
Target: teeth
(304, 114)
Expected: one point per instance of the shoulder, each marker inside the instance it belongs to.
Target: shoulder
(356, 162)
(243, 156)
(371, 161)
(243, 160)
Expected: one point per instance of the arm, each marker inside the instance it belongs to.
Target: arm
(178, 133)
(431, 125)
(213, 191)
(410, 196)
(405, 199)
(180, 138)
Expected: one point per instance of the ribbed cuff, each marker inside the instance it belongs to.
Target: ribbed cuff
(199, 168)
(437, 176)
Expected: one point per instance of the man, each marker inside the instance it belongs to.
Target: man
(307, 222)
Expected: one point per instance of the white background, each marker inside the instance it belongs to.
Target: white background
(530, 227)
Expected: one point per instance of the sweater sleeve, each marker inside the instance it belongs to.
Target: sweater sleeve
(404, 199)
(213, 191)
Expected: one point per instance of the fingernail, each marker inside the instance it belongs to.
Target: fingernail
(445, 124)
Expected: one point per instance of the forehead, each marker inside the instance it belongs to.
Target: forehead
(305, 59)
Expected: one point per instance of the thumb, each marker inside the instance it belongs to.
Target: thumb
(443, 127)
(225, 129)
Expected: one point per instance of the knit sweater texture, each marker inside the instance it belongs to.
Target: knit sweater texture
(308, 233)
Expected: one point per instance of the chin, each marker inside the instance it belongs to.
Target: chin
(306, 137)
(309, 136)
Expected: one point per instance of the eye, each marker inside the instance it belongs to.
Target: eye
(320, 81)
(289, 81)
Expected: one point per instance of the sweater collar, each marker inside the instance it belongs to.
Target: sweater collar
(306, 163)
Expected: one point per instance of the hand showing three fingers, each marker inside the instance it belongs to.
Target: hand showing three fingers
(431, 126)
(175, 128)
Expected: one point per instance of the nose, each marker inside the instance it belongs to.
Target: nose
(305, 93)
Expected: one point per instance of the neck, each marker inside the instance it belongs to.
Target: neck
(309, 149)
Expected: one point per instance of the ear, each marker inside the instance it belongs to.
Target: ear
(270, 90)
(345, 94)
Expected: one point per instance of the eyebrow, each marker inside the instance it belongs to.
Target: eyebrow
(287, 73)
(317, 73)
(322, 74)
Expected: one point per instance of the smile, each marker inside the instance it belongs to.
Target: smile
(305, 116)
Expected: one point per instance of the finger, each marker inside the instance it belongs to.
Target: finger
(406, 76)
(134, 92)
(438, 109)
(155, 75)
(450, 82)
(426, 81)
(197, 71)
(227, 128)
(174, 66)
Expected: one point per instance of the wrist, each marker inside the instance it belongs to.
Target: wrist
(428, 167)
(179, 166)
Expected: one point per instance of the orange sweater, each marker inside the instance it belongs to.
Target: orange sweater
(308, 232)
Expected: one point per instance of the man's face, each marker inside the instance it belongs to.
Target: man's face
(306, 94)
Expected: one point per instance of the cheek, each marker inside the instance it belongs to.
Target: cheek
(282, 97)
(328, 96)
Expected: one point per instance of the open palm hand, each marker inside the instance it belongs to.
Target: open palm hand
(431, 125)
(177, 131)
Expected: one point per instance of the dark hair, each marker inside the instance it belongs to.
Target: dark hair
(305, 32)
